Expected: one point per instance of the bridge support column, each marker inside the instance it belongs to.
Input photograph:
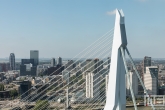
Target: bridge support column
(116, 95)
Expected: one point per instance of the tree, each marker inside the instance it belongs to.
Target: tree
(2, 87)
(13, 93)
(41, 105)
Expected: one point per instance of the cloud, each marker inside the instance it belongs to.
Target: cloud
(113, 12)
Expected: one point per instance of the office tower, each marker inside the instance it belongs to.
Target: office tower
(12, 61)
(70, 65)
(24, 87)
(27, 68)
(5, 67)
(53, 62)
(59, 61)
(151, 80)
(134, 82)
(146, 62)
(93, 66)
(34, 54)
(27, 61)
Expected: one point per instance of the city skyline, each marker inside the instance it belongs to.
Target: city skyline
(95, 78)
(55, 23)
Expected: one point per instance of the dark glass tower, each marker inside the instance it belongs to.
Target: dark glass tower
(12, 61)
(34, 54)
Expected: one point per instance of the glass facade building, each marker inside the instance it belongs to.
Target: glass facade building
(12, 61)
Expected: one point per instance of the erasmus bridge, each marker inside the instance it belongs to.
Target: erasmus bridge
(95, 87)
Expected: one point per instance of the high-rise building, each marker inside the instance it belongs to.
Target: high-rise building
(134, 82)
(92, 75)
(146, 62)
(34, 54)
(59, 61)
(53, 62)
(27, 61)
(70, 65)
(151, 80)
(27, 67)
(93, 66)
(12, 61)
(92, 85)
(5, 67)
(24, 87)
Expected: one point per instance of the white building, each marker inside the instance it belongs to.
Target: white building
(134, 83)
(92, 85)
(150, 80)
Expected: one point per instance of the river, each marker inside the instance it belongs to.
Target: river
(146, 108)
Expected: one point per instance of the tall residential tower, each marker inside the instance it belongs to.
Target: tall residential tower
(12, 61)
(59, 61)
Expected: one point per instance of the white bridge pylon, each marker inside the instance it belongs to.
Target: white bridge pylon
(116, 95)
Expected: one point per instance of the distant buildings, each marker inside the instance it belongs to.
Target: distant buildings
(53, 62)
(146, 62)
(34, 54)
(151, 80)
(70, 65)
(92, 75)
(12, 61)
(59, 61)
(24, 87)
(134, 83)
(29, 66)
(93, 65)
(56, 70)
(4, 67)
(2, 76)
(27, 69)
(27, 61)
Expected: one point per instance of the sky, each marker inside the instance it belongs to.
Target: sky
(66, 27)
